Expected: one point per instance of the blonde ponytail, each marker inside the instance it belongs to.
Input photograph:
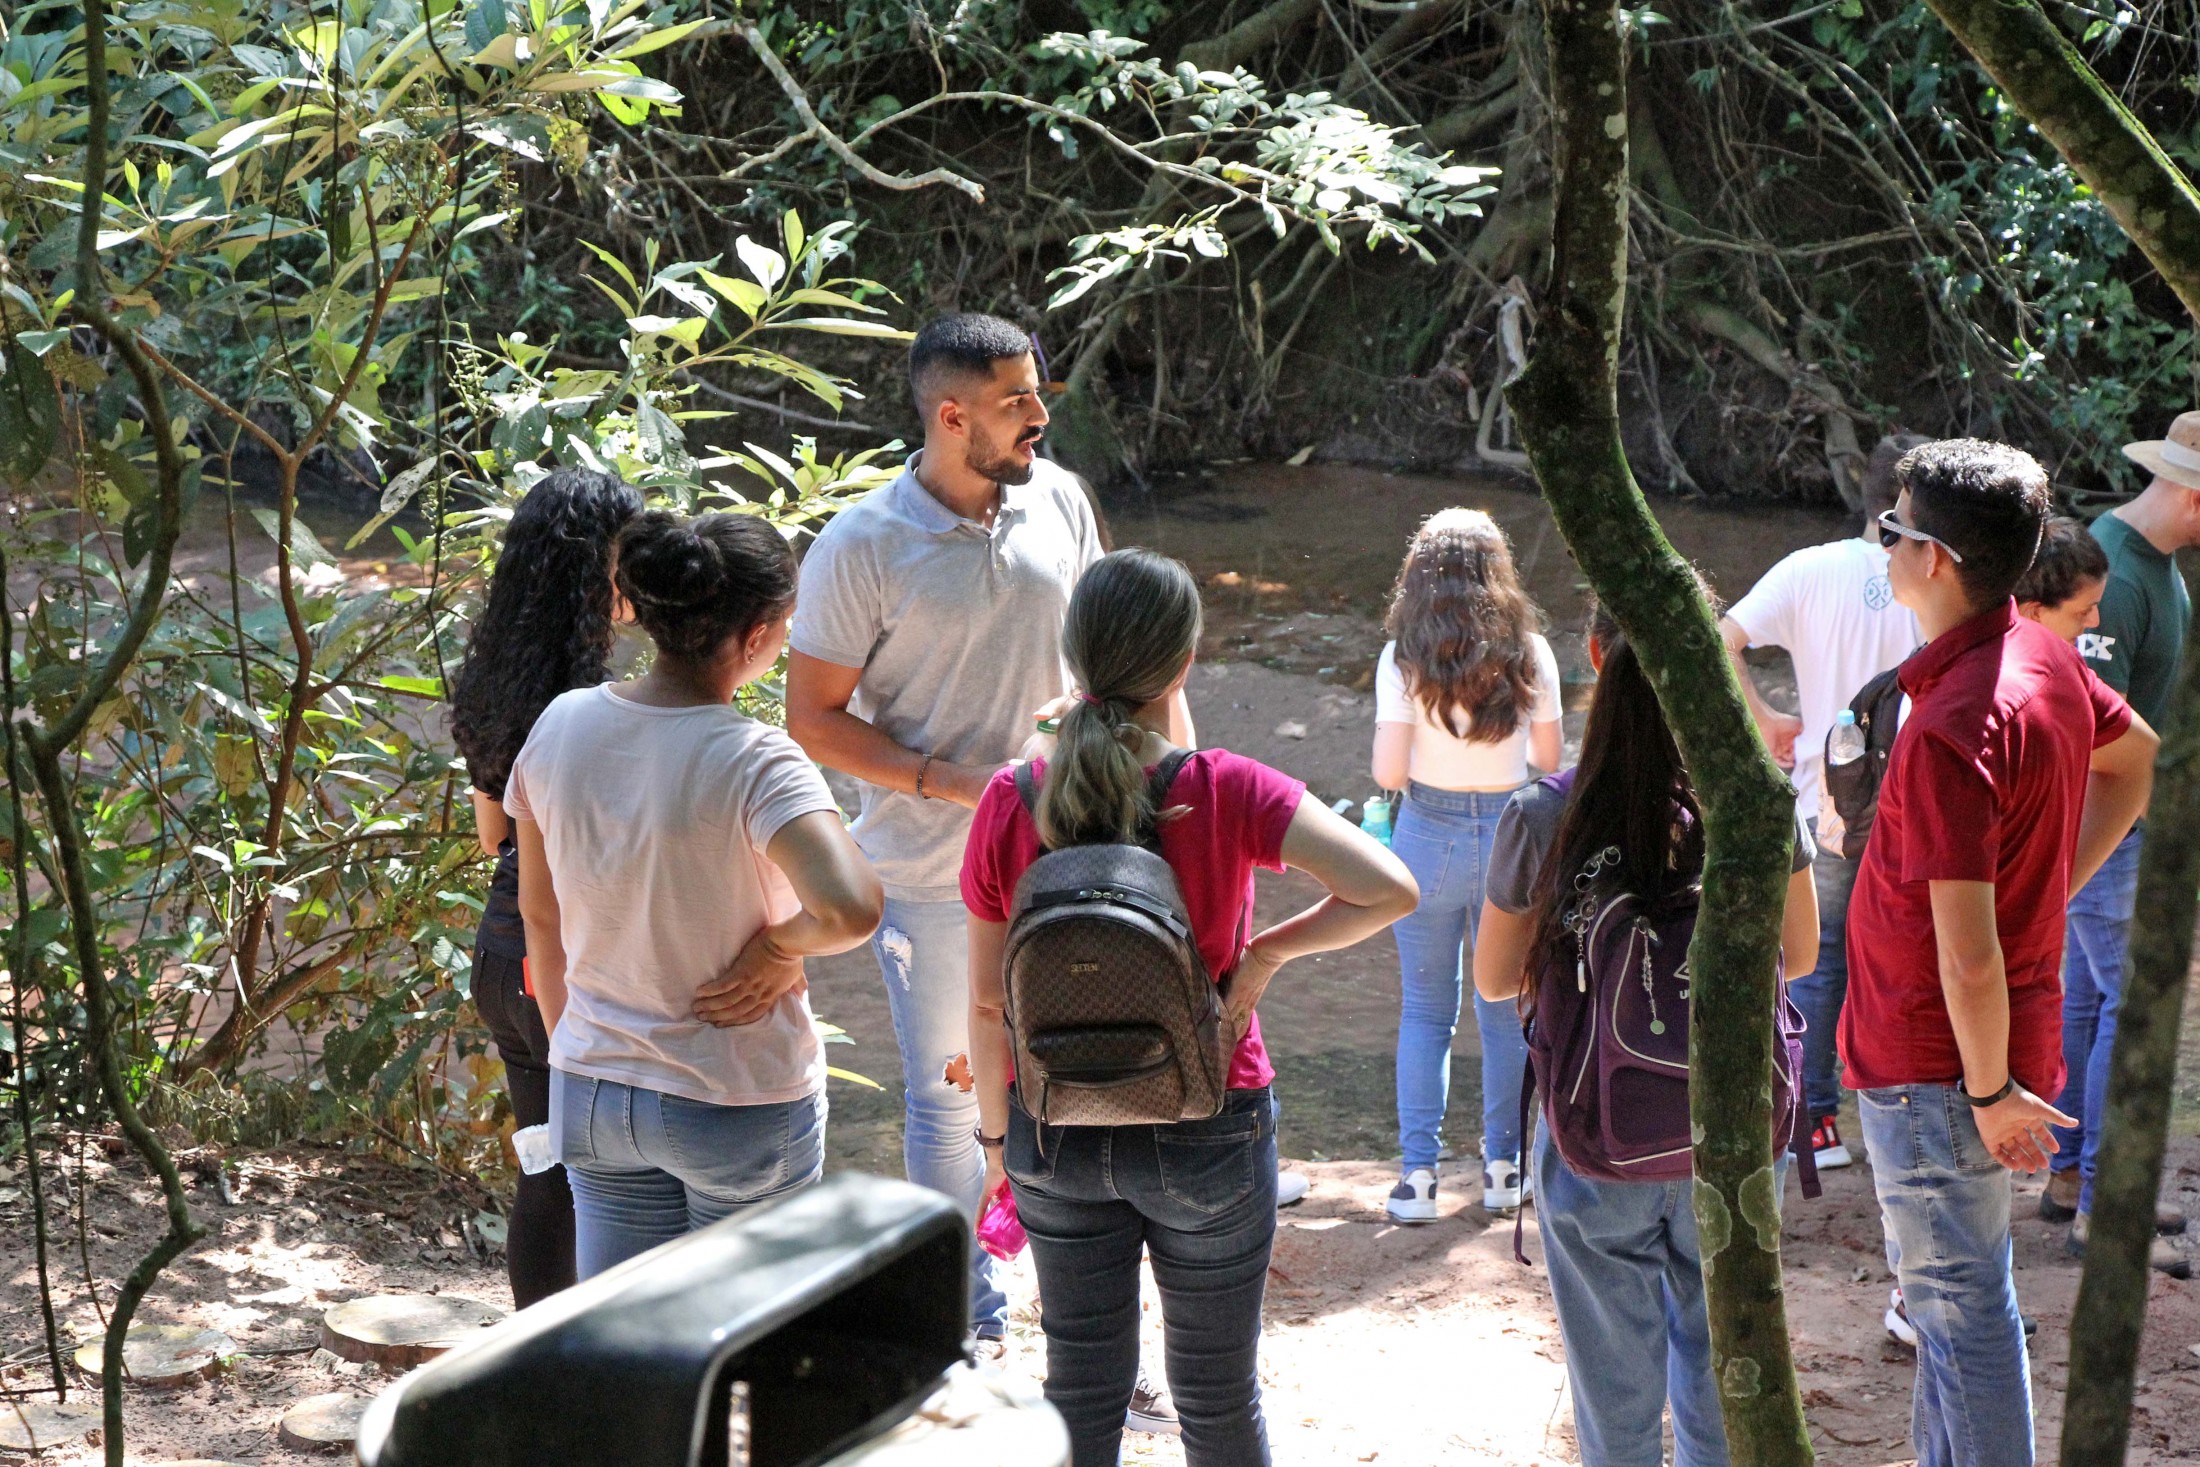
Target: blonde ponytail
(1132, 627)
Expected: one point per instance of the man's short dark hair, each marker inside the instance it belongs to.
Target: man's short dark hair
(1880, 489)
(1987, 501)
(964, 344)
(2068, 559)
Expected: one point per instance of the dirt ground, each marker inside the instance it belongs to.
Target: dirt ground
(1383, 1344)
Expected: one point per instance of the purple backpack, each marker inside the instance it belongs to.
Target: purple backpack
(1608, 1042)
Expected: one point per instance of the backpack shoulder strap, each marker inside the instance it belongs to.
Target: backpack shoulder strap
(1158, 785)
(1027, 789)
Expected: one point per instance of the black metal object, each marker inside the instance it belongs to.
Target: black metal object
(794, 1331)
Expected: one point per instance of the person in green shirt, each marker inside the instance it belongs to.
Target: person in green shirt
(2135, 650)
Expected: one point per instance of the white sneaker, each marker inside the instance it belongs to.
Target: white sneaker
(1897, 1320)
(1503, 1186)
(1413, 1200)
(1292, 1187)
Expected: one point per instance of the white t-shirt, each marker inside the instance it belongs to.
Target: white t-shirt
(1449, 759)
(1831, 606)
(654, 822)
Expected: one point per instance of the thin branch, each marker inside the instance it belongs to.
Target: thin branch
(848, 155)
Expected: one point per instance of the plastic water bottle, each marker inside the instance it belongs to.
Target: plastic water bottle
(535, 1151)
(1844, 746)
(1375, 818)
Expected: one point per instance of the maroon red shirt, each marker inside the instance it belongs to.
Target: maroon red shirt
(1239, 811)
(1986, 783)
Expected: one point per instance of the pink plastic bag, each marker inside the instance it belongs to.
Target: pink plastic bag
(1000, 1231)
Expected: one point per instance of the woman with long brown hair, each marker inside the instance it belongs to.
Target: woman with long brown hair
(1466, 697)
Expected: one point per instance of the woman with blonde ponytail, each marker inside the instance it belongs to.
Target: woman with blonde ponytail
(1198, 1196)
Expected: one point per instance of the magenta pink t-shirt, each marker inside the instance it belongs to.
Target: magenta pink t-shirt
(1239, 811)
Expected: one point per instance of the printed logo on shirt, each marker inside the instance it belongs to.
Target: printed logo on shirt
(2093, 647)
(1879, 593)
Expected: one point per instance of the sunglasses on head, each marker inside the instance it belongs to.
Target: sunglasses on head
(1892, 532)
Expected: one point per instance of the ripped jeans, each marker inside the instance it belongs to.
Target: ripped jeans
(923, 951)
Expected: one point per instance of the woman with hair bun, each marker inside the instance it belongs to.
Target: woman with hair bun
(547, 628)
(678, 859)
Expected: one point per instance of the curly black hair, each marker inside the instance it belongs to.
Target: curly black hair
(547, 628)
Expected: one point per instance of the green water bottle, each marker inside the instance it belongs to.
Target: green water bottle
(1375, 818)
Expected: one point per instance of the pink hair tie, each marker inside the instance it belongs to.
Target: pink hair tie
(1090, 699)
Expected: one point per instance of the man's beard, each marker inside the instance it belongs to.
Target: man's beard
(981, 457)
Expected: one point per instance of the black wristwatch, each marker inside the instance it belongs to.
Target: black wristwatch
(1978, 1102)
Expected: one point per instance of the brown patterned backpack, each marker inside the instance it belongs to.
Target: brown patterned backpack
(1114, 1017)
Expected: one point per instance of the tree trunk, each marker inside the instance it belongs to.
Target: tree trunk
(2118, 158)
(1567, 406)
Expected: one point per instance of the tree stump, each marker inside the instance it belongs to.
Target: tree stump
(163, 1354)
(400, 1331)
(320, 1422)
(42, 1425)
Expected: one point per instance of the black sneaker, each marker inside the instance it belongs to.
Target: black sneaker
(1151, 1409)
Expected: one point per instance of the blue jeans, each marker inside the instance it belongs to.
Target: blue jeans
(2096, 946)
(1444, 838)
(1199, 1197)
(647, 1167)
(1944, 1201)
(923, 951)
(1821, 992)
(1627, 1277)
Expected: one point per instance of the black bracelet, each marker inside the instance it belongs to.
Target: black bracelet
(2008, 1088)
(990, 1143)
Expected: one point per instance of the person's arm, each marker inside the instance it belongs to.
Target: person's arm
(1393, 755)
(1501, 943)
(538, 911)
(818, 719)
(2116, 792)
(989, 1057)
(1546, 745)
(1799, 926)
(1182, 732)
(841, 906)
(1975, 986)
(491, 824)
(1369, 888)
(1780, 730)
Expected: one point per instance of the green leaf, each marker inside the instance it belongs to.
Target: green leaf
(30, 415)
(426, 687)
(657, 40)
(305, 547)
(841, 326)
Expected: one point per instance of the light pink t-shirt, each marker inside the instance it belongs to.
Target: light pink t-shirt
(654, 822)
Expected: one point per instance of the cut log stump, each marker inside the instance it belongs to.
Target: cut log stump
(163, 1354)
(400, 1331)
(42, 1425)
(318, 1423)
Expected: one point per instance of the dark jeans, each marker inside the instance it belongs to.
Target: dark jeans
(1200, 1198)
(538, 1247)
(1821, 993)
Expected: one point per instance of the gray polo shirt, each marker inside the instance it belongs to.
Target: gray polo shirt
(958, 631)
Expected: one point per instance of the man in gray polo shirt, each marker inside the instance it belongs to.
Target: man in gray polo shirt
(927, 630)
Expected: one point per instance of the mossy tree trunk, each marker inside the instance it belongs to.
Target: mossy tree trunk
(1567, 405)
(2047, 79)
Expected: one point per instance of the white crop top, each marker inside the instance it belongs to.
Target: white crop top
(1448, 760)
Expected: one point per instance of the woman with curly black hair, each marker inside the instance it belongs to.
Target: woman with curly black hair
(547, 629)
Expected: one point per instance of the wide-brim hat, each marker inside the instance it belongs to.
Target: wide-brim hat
(2175, 457)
